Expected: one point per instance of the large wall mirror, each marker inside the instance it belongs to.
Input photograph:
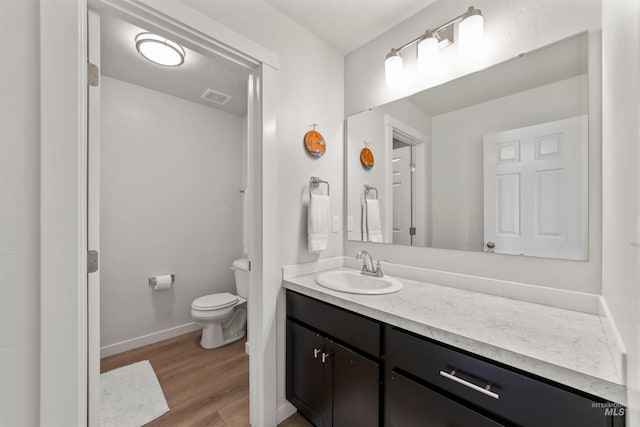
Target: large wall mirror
(495, 161)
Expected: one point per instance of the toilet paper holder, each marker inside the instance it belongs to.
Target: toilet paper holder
(153, 281)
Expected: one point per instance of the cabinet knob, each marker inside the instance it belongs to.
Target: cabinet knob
(316, 352)
(325, 356)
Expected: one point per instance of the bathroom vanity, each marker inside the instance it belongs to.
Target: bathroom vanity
(402, 360)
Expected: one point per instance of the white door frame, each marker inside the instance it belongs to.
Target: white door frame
(420, 177)
(64, 132)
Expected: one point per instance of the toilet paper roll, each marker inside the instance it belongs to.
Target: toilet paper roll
(162, 282)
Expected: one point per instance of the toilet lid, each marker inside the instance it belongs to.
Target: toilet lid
(215, 301)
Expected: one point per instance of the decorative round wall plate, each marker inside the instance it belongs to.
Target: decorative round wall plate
(314, 142)
(366, 158)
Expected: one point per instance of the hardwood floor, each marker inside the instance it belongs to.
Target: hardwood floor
(202, 387)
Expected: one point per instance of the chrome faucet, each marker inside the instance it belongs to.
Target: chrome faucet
(367, 265)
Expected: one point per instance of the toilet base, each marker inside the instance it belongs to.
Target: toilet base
(208, 344)
(216, 335)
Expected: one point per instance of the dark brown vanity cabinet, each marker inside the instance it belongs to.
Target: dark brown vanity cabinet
(331, 384)
(460, 389)
(344, 369)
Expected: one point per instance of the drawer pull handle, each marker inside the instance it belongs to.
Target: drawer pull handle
(316, 352)
(485, 391)
(325, 356)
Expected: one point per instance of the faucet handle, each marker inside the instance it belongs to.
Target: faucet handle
(379, 269)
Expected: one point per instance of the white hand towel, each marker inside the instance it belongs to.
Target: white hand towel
(363, 222)
(318, 223)
(374, 225)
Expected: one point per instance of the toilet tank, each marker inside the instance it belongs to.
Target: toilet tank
(240, 269)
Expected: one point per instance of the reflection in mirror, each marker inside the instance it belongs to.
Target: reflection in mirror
(495, 161)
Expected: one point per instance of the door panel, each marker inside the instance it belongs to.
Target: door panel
(305, 371)
(402, 189)
(355, 387)
(535, 190)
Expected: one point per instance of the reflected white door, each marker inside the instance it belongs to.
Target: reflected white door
(535, 190)
(402, 188)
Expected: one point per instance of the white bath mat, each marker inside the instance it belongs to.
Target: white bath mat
(131, 396)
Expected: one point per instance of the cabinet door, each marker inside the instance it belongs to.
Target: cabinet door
(409, 404)
(355, 388)
(305, 371)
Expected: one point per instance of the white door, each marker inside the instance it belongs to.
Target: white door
(93, 227)
(535, 190)
(402, 192)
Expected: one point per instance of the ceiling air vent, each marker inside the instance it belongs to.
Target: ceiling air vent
(215, 97)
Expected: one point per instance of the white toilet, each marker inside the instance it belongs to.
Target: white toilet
(223, 316)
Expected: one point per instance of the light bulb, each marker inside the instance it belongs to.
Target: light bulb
(471, 33)
(427, 51)
(394, 68)
(157, 49)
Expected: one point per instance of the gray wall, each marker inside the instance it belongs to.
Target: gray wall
(19, 213)
(171, 171)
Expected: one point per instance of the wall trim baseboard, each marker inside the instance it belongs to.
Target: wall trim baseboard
(284, 411)
(122, 346)
(616, 344)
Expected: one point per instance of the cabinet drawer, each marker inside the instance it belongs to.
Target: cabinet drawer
(513, 396)
(353, 329)
(410, 404)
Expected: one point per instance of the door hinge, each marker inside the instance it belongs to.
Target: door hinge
(92, 261)
(249, 265)
(412, 231)
(93, 74)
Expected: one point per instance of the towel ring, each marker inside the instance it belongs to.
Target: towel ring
(314, 182)
(367, 189)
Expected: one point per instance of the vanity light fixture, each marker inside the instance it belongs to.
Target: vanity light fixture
(394, 68)
(159, 50)
(470, 32)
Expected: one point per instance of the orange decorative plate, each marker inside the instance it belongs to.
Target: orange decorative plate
(366, 158)
(314, 142)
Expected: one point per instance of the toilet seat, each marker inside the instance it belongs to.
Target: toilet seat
(215, 301)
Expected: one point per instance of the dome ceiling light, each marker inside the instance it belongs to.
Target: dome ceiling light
(159, 50)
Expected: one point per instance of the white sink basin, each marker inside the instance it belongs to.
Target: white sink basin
(356, 283)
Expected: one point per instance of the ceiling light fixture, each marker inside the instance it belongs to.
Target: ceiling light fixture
(470, 32)
(159, 50)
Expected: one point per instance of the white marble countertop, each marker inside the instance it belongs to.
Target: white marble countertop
(565, 346)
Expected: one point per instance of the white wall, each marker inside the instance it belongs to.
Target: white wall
(171, 171)
(511, 27)
(19, 213)
(621, 186)
(458, 180)
(370, 126)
